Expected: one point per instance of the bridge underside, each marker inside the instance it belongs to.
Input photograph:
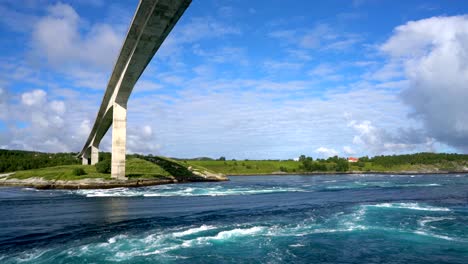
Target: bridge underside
(152, 22)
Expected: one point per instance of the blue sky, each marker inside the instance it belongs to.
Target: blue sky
(243, 79)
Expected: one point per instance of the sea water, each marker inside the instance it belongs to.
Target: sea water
(250, 219)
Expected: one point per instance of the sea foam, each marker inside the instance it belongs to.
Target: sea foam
(410, 206)
(181, 190)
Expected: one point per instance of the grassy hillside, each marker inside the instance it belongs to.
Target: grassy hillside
(15, 160)
(419, 162)
(136, 168)
(248, 166)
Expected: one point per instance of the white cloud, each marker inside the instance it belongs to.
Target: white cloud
(326, 71)
(326, 152)
(147, 131)
(226, 54)
(58, 38)
(379, 141)
(322, 37)
(274, 66)
(34, 98)
(433, 54)
(348, 150)
(57, 106)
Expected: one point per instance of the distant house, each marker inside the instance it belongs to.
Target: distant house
(351, 159)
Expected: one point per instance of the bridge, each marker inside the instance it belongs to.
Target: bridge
(152, 22)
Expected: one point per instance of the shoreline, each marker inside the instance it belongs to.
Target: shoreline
(97, 183)
(90, 183)
(349, 173)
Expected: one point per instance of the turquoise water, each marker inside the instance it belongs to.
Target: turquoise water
(267, 219)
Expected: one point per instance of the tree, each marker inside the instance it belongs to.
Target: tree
(78, 172)
(302, 158)
(104, 166)
(222, 158)
(342, 165)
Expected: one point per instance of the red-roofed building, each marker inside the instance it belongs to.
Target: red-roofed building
(352, 159)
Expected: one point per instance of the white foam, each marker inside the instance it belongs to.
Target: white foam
(192, 231)
(181, 191)
(410, 206)
(32, 255)
(424, 233)
(224, 236)
(430, 219)
(296, 245)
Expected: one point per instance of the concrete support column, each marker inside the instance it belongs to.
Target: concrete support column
(84, 160)
(94, 155)
(119, 140)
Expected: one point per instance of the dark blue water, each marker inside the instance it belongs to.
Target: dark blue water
(267, 219)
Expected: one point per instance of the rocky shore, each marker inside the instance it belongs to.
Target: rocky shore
(97, 183)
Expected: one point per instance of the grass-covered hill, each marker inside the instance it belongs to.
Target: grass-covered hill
(16, 160)
(419, 162)
(65, 167)
(61, 165)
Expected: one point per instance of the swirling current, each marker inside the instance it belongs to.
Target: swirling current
(250, 219)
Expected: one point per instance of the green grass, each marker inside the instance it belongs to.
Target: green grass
(138, 168)
(135, 168)
(63, 172)
(246, 167)
(240, 167)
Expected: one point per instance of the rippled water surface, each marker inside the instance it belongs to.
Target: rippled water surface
(268, 219)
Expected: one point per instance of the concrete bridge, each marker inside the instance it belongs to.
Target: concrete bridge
(152, 22)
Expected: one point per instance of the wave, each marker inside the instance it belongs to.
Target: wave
(410, 206)
(429, 219)
(182, 191)
(192, 231)
(172, 243)
(430, 234)
(381, 184)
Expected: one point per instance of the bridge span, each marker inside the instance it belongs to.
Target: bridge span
(152, 22)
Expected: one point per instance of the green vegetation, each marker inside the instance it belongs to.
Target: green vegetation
(15, 160)
(139, 168)
(64, 172)
(136, 168)
(65, 166)
(421, 162)
(233, 167)
(103, 166)
(78, 172)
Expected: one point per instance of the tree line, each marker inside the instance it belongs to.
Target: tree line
(15, 160)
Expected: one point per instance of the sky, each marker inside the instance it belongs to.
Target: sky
(243, 79)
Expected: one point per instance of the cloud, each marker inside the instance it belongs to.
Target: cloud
(325, 72)
(140, 139)
(57, 106)
(36, 98)
(322, 36)
(226, 54)
(326, 152)
(4, 112)
(433, 55)
(348, 150)
(82, 53)
(273, 66)
(58, 38)
(379, 141)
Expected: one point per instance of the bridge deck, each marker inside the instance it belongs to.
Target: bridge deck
(152, 22)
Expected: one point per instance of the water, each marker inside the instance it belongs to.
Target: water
(268, 219)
